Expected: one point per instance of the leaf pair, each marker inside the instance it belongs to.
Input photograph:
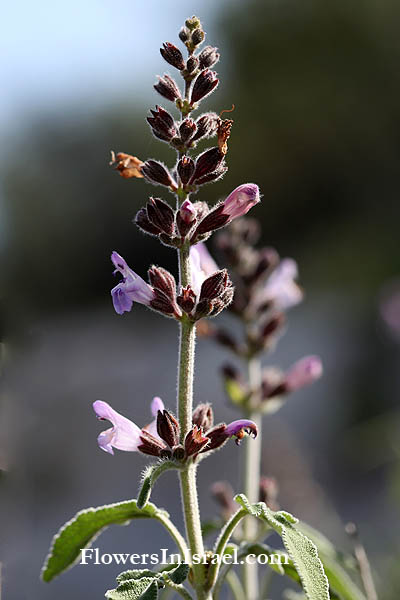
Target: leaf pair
(144, 584)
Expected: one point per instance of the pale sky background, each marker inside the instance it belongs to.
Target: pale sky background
(54, 53)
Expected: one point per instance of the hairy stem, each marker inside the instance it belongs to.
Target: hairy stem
(251, 483)
(185, 407)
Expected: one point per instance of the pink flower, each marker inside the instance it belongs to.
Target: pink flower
(202, 265)
(124, 434)
(241, 200)
(303, 373)
(281, 287)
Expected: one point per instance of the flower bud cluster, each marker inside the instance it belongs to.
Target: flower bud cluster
(190, 222)
(265, 289)
(202, 437)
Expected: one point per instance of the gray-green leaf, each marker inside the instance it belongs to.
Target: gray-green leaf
(301, 550)
(83, 529)
(133, 589)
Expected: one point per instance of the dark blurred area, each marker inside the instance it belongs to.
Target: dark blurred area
(316, 88)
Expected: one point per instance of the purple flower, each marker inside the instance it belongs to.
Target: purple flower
(131, 289)
(240, 428)
(202, 265)
(281, 288)
(303, 372)
(124, 434)
(241, 200)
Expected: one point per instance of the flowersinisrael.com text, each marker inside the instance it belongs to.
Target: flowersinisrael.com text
(93, 556)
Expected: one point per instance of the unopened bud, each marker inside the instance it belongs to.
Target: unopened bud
(156, 172)
(161, 215)
(272, 326)
(162, 124)
(198, 36)
(204, 84)
(185, 169)
(215, 219)
(207, 126)
(214, 176)
(214, 285)
(203, 416)
(208, 57)
(163, 280)
(206, 163)
(192, 23)
(167, 88)
(184, 35)
(143, 222)
(168, 428)
(191, 64)
(187, 212)
(172, 55)
(164, 304)
(152, 446)
(187, 129)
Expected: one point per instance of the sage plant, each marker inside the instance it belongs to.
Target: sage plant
(180, 440)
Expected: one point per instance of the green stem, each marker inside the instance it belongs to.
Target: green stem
(179, 589)
(251, 482)
(221, 543)
(185, 408)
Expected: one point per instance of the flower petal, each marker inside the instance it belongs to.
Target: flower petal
(304, 372)
(281, 288)
(131, 289)
(240, 427)
(156, 405)
(241, 200)
(124, 435)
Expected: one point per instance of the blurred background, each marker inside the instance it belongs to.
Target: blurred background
(316, 87)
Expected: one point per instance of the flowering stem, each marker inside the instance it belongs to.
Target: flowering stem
(185, 409)
(186, 354)
(251, 482)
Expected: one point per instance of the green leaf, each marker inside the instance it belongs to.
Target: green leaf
(83, 529)
(335, 563)
(133, 589)
(136, 574)
(149, 477)
(301, 550)
(179, 574)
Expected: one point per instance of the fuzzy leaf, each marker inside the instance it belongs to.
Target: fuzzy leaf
(301, 550)
(335, 563)
(134, 589)
(179, 574)
(83, 529)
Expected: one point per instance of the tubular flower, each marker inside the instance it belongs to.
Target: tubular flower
(241, 200)
(131, 289)
(202, 265)
(281, 287)
(303, 372)
(124, 434)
